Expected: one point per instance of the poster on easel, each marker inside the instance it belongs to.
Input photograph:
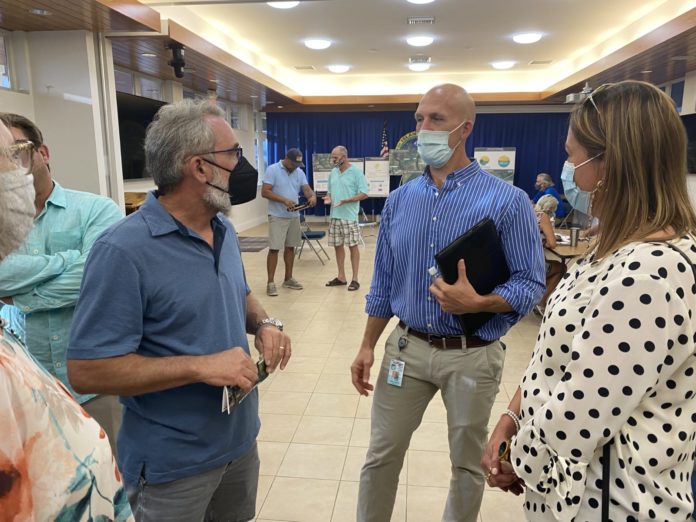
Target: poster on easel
(499, 161)
(377, 177)
(321, 168)
(358, 162)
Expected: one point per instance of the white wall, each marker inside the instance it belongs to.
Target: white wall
(17, 102)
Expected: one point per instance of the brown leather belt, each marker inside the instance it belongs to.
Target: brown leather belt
(447, 342)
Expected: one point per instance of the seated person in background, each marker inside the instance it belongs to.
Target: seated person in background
(545, 187)
(55, 460)
(545, 210)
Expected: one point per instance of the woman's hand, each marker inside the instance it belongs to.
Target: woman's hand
(500, 474)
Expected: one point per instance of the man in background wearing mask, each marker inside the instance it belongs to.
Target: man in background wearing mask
(163, 320)
(42, 425)
(428, 347)
(544, 186)
(41, 281)
(347, 187)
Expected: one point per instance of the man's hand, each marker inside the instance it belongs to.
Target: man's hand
(327, 200)
(232, 367)
(360, 370)
(312, 201)
(342, 202)
(274, 346)
(289, 204)
(459, 298)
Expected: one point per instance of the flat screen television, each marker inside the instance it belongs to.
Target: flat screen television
(134, 115)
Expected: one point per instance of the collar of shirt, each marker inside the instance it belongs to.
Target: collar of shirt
(57, 197)
(160, 222)
(456, 178)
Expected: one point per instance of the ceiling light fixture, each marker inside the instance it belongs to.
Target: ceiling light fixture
(338, 68)
(148, 55)
(40, 12)
(504, 64)
(253, 96)
(527, 38)
(419, 67)
(317, 43)
(419, 41)
(283, 5)
(421, 1)
(646, 71)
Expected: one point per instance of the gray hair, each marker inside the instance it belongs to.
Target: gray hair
(546, 179)
(547, 204)
(342, 150)
(179, 130)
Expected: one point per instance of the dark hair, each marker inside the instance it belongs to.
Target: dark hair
(28, 127)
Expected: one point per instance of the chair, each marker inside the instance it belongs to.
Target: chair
(363, 222)
(309, 235)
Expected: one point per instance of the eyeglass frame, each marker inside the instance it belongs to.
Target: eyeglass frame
(596, 91)
(18, 146)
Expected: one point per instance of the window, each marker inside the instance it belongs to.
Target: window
(150, 88)
(124, 81)
(677, 94)
(5, 81)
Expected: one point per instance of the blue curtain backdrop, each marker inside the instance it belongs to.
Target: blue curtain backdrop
(538, 137)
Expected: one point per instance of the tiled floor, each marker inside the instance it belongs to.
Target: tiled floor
(315, 426)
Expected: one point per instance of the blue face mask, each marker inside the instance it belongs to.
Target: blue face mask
(578, 199)
(433, 146)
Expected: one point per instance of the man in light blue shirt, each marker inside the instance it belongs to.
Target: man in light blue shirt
(40, 282)
(282, 183)
(347, 187)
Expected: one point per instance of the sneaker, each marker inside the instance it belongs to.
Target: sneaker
(293, 284)
(271, 289)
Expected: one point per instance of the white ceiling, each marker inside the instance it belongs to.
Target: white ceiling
(369, 35)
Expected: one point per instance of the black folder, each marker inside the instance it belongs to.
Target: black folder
(486, 266)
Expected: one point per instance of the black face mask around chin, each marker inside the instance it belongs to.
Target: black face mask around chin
(243, 182)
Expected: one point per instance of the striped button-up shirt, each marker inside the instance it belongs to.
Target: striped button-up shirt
(419, 220)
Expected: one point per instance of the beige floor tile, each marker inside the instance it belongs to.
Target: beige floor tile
(271, 456)
(344, 350)
(278, 428)
(498, 506)
(361, 433)
(299, 364)
(338, 365)
(324, 430)
(301, 500)
(331, 383)
(332, 405)
(347, 501)
(430, 436)
(436, 411)
(429, 468)
(290, 403)
(354, 463)
(301, 349)
(287, 381)
(364, 407)
(424, 504)
(264, 486)
(315, 461)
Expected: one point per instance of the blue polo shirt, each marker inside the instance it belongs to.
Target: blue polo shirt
(285, 184)
(154, 287)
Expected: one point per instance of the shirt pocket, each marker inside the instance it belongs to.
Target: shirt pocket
(60, 241)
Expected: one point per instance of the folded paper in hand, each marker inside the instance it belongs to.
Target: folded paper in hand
(486, 266)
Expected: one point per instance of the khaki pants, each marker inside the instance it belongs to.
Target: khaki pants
(469, 381)
(108, 412)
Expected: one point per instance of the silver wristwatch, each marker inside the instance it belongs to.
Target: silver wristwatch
(269, 320)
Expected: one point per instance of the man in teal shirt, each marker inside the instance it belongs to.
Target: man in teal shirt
(347, 187)
(40, 282)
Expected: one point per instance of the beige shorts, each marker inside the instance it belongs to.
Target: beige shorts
(283, 232)
(343, 231)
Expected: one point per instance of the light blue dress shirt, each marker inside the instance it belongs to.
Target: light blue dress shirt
(43, 276)
(419, 220)
(285, 184)
(346, 185)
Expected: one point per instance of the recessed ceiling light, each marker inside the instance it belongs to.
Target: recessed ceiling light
(419, 41)
(270, 102)
(317, 44)
(280, 106)
(40, 12)
(421, 1)
(283, 5)
(339, 68)
(527, 38)
(148, 55)
(505, 64)
(253, 96)
(646, 71)
(419, 67)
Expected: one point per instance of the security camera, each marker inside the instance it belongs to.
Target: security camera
(177, 61)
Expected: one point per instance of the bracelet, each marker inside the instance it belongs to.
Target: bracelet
(514, 418)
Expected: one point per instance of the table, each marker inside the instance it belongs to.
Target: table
(566, 252)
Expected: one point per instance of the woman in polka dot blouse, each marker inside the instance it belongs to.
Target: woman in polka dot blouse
(614, 360)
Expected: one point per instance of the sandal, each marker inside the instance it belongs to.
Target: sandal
(354, 285)
(336, 282)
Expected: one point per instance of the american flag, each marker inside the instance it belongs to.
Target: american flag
(384, 153)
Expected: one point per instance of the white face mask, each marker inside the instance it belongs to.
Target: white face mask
(433, 146)
(17, 209)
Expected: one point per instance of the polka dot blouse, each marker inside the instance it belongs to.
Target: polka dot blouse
(614, 361)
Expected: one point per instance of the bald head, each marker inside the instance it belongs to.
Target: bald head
(340, 150)
(455, 98)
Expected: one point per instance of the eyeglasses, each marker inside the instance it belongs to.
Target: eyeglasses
(235, 151)
(594, 93)
(22, 155)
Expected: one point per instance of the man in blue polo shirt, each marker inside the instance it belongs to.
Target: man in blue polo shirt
(282, 183)
(163, 319)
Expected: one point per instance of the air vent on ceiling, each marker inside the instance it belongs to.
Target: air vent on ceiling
(304, 68)
(421, 20)
(540, 62)
(419, 58)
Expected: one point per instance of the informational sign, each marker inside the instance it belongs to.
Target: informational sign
(405, 163)
(321, 168)
(377, 174)
(499, 161)
(358, 162)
